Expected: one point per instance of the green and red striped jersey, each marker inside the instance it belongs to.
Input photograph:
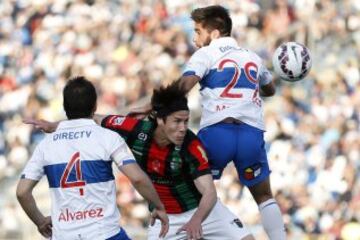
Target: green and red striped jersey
(172, 169)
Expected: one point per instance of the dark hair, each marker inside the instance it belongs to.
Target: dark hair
(213, 17)
(79, 98)
(167, 100)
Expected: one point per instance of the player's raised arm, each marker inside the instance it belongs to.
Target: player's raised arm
(266, 82)
(49, 127)
(188, 82)
(41, 124)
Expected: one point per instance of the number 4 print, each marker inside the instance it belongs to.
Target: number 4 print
(74, 162)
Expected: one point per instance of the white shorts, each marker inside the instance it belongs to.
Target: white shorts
(220, 224)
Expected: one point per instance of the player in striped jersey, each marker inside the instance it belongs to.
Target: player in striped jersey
(232, 80)
(176, 162)
(76, 160)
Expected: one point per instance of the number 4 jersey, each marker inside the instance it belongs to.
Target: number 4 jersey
(76, 160)
(230, 79)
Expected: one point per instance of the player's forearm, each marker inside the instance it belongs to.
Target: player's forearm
(147, 190)
(28, 203)
(206, 204)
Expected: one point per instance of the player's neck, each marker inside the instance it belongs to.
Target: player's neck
(160, 138)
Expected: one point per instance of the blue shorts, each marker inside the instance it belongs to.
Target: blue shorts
(120, 236)
(240, 143)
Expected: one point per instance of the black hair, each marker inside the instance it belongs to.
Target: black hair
(79, 97)
(213, 17)
(168, 99)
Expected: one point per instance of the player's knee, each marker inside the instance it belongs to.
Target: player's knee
(261, 191)
(262, 197)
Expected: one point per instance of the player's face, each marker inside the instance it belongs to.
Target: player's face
(175, 126)
(202, 36)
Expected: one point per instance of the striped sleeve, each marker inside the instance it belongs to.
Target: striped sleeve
(196, 156)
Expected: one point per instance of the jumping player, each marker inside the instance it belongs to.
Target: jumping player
(231, 79)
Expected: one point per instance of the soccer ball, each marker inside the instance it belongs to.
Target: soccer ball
(292, 61)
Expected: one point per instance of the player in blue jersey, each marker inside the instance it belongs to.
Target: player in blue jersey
(232, 79)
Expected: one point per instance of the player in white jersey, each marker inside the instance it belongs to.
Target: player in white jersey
(76, 160)
(232, 79)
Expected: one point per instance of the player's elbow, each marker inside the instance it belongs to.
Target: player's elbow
(138, 179)
(267, 90)
(211, 195)
(22, 193)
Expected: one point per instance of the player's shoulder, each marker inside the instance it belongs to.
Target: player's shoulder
(190, 136)
(203, 53)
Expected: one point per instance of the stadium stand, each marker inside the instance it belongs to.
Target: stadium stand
(128, 47)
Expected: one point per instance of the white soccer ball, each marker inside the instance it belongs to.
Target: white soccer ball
(292, 61)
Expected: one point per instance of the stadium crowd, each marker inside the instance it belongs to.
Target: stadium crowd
(129, 47)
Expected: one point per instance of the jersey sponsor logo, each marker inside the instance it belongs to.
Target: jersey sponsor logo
(71, 135)
(220, 107)
(118, 120)
(175, 164)
(237, 222)
(226, 48)
(142, 136)
(68, 216)
(155, 165)
(252, 172)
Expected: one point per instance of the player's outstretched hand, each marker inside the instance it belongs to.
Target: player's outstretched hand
(193, 229)
(140, 112)
(43, 125)
(162, 216)
(45, 227)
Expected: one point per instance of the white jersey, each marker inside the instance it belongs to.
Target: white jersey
(77, 160)
(230, 79)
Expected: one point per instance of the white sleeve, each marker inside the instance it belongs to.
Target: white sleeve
(121, 153)
(199, 64)
(34, 169)
(265, 77)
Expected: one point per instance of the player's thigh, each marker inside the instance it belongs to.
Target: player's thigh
(251, 160)
(176, 221)
(219, 141)
(223, 224)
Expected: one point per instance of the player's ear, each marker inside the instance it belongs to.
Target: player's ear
(160, 121)
(215, 34)
(94, 110)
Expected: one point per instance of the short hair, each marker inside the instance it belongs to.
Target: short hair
(213, 17)
(79, 97)
(169, 99)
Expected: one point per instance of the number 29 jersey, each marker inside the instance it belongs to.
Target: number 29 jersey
(230, 80)
(77, 161)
